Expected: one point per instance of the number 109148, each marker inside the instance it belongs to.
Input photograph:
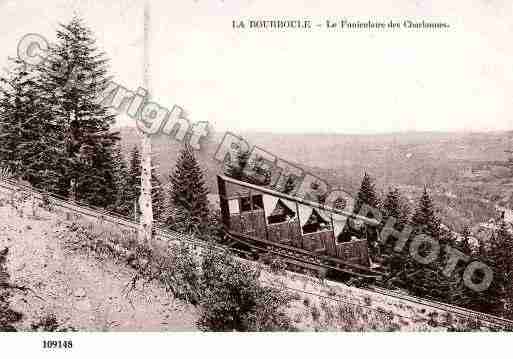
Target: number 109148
(57, 344)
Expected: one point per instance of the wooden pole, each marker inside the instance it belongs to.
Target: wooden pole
(145, 200)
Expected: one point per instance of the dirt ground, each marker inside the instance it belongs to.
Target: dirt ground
(78, 290)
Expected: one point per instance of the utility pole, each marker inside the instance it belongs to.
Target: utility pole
(146, 219)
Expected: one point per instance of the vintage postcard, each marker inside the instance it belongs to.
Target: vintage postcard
(254, 166)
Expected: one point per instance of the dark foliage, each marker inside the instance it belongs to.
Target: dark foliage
(234, 300)
(30, 144)
(8, 317)
(69, 84)
(242, 168)
(188, 194)
(425, 220)
(500, 257)
(367, 194)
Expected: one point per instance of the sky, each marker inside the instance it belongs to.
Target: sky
(458, 79)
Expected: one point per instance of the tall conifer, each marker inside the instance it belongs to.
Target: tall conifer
(425, 219)
(70, 81)
(188, 192)
(367, 194)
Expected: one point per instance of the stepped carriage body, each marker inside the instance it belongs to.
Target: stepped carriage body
(263, 218)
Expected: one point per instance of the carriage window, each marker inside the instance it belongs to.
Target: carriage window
(281, 213)
(315, 223)
(246, 205)
(233, 205)
(352, 230)
(258, 202)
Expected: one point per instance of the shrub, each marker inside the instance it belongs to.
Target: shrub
(179, 272)
(49, 323)
(234, 300)
(8, 317)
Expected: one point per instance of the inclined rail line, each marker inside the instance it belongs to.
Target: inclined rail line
(9, 187)
(459, 311)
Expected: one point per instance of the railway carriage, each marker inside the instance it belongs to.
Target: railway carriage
(305, 234)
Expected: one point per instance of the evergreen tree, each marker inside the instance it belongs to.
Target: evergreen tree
(395, 206)
(238, 160)
(98, 187)
(188, 193)
(366, 195)
(424, 219)
(121, 178)
(240, 165)
(500, 255)
(29, 143)
(70, 81)
(447, 238)
(465, 245)
(15, 110)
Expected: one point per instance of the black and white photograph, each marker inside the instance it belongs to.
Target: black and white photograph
(220, 175)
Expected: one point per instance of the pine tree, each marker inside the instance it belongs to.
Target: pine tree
(427, 279)
(395, 206)
(122, 204)
(15, 110)
(367, 194)
(465, 245)
(424, 219)
(29, 142)
(240, 164)
(188, 192)
(447, 238)
(238, 161)
(70, 82)
(99, 187)
(501, 256)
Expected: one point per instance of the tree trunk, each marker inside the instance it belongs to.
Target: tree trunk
(146, 220)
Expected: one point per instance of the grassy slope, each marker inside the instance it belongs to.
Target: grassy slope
(80, 291)
(89, 293)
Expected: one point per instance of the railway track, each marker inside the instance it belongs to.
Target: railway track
(9, 187)
(490, 320)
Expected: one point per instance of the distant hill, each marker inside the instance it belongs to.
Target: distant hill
(462, 169)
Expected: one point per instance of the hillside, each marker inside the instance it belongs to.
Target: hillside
(79, 291)
(82, 290)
